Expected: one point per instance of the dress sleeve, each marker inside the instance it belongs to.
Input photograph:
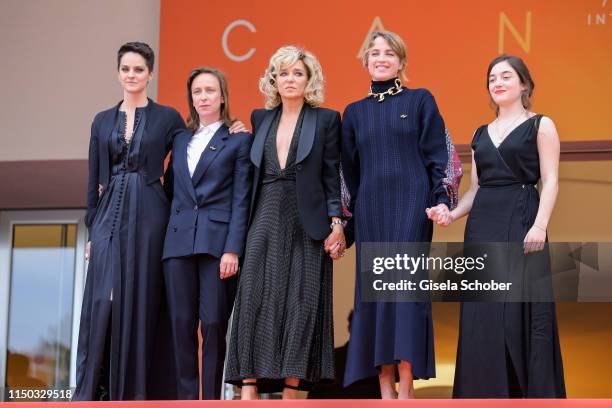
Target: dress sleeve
(177, 125)
(350, 158)
(350, 171)
(331, 167)
(94, 178)
(432, 143)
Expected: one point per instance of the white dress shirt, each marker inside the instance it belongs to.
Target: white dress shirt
(198, 143)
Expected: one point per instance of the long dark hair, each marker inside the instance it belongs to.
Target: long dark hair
(522, 71)
(193, 122)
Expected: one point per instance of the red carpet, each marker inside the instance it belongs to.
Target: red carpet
(439, 403)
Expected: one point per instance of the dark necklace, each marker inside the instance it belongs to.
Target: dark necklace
(394, 90)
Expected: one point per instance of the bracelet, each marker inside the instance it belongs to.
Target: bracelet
(335, 222)
(538, 227)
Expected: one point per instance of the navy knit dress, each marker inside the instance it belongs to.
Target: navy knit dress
(394, 157)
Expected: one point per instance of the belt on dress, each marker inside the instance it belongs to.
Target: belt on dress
(271, 178)
(526, 207)
(124, 171)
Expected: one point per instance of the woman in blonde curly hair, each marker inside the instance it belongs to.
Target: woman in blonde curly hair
(282, 330)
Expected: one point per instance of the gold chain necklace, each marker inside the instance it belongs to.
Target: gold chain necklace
(394, 90)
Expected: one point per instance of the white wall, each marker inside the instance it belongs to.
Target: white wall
(58, 68)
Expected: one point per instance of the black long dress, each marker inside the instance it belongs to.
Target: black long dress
(122, 345)
(282, 325)
(507, 349)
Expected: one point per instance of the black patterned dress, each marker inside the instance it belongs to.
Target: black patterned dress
(282, 325)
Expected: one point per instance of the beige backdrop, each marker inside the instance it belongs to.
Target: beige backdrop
(58, 68)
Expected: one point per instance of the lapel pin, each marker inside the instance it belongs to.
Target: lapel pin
(403, 116)
(213, 147)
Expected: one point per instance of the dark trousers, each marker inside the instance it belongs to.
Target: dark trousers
(196, 292)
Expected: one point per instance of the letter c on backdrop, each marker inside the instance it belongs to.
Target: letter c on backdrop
(226, 33)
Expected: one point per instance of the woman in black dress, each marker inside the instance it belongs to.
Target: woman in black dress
(282, 331)
(510, 349)
(120, 353)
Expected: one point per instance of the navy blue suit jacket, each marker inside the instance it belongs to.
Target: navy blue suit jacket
(209, 212)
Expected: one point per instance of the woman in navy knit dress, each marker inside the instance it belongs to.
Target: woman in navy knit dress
(394, 157)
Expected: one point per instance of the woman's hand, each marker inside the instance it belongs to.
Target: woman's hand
(237, 127)
(228, 265)
(440, 214)
(534, 240)
(100, 189)
(335, 243)
(87, 250)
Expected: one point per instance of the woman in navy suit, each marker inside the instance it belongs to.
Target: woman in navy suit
(210, 179)
(120, 356)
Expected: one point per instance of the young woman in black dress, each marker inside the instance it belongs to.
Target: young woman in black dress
(510, 349)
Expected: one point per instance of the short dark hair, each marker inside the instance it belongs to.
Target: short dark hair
(193, 122)
(522, 71)
(139, 48)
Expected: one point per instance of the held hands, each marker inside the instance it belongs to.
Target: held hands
(335, 243)
(229, 265)
(440, 214)
(237, 127)
(534, 240)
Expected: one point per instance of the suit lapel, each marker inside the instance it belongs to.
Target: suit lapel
(307, 133)
(216, 144)
(259, 142)
(182, 169)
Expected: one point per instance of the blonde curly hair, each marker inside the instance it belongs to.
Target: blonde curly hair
(285, 57)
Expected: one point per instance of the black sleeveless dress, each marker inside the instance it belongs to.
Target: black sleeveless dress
(507, 349)
(283, 317)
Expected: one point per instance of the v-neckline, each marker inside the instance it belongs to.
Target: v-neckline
(293, 137)
(509, 134)
(277, 158)
(127, 142)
